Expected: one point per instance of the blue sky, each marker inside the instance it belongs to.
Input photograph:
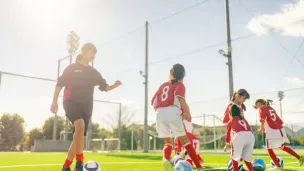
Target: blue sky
(33, 35)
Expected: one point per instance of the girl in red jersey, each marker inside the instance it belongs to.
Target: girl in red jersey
(243, 107)
(272, 125)
(168, 102)
(239, 134)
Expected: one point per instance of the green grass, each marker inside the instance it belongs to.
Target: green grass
(124, 161)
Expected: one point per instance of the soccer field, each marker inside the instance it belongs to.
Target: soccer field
(123, 161)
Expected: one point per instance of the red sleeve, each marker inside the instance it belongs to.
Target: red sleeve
(180, 90)
(262, 115)
(226, 115)
(228, 138)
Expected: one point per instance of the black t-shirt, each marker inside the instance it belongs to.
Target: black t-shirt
(79, 82)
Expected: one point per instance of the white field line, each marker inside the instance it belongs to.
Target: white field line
(124, 163)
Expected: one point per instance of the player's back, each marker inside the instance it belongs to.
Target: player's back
(238, 124)
(271, 117)
(167, 94)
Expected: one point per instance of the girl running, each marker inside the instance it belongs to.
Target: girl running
(168, 102)
(239, 134)
(272, 125)
(79, 80)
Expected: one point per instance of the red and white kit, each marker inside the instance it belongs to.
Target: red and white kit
(168, 110)
(241, 139)
(275, 133)
(226, 118)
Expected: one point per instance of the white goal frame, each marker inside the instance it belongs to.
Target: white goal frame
(103, 143)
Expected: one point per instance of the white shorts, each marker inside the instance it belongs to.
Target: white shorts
(169, 122)
(242, 146)
(275, 137)
(188, 126)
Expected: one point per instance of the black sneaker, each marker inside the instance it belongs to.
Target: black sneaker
(79, 166)
(66, 169)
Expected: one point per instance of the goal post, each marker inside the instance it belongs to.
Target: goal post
(105, 145)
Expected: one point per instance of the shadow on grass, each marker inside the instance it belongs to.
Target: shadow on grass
(136, 156)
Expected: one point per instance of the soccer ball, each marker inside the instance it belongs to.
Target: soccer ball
(230, 167)
(259, 164)
(91, 166)
(281, 162)
(183, 165)
(176, 159)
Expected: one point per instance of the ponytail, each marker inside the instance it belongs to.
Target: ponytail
(267, 102)
(233, 96)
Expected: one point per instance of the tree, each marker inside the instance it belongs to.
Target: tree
(12, 131)
(47, 127)
(126, 117)
(35, 134)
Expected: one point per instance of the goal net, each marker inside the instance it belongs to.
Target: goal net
(105, 145)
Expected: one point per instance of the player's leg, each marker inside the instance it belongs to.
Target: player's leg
(272, 155)
(248, 150)
(178, 130)
(293, 153)
(237, 146)
(78, 139)
(73, 113)
(177, 146)
(71, 155)
(164, 132)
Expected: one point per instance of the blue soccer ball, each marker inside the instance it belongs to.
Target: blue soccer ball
(259, 164)
(183, 165)
(230, 167)
(281, 162)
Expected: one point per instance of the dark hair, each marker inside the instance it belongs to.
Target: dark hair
(235, 111)
(177, 73)
(266, 102)
(241, 92)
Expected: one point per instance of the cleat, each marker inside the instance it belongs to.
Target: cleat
(79, 166)
(301, 160)
(66, 169)
(167, 166)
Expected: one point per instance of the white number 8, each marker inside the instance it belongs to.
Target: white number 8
(164, 95)
(241, 122)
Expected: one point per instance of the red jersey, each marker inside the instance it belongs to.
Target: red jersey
(167, 95)
(236, 125)
(226, 118)
(269, 115)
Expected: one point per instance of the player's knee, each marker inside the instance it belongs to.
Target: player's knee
(79, 126)
(183, 139)
(167, 140)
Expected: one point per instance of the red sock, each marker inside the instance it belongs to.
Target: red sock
(200, 159)
(167, 151)
(290, 151)
(273, 157)
(235, 165)
(249, 166)
(79, 157)
(67, 163)
(192, 154)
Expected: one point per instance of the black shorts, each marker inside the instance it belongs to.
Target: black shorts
(75, 111)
